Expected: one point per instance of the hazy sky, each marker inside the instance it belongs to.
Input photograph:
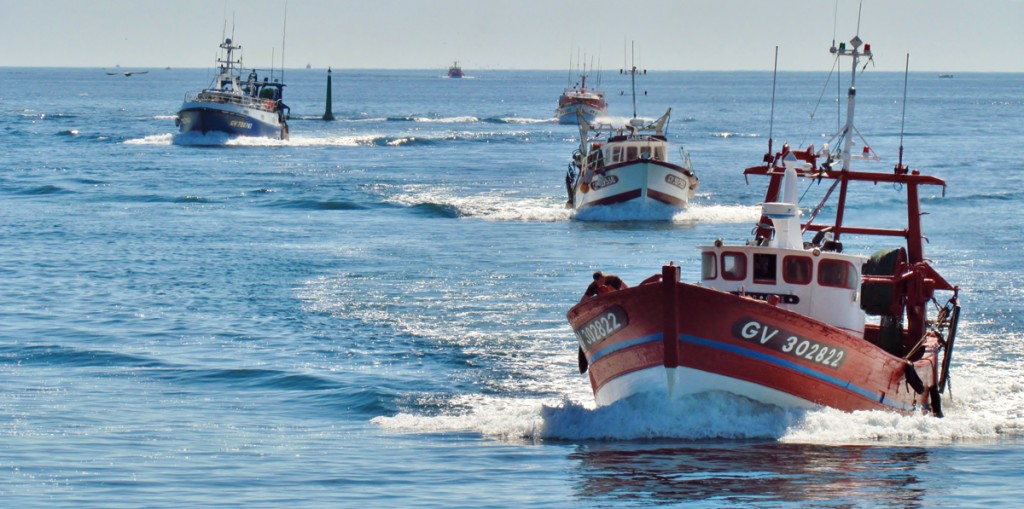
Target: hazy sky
(940, 35)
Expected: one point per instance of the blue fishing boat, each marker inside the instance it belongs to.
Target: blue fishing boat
(234, 106)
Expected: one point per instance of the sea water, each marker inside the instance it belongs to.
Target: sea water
(372, 313)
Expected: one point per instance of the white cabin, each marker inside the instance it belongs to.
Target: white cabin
(824, 285)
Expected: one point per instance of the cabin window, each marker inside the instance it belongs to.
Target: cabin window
(734, 266)
(616, 154)
(764, 268)
(659, 153)
(645, 153)
(837, 274)
(630, 153)
(797, 270)
(708, 266)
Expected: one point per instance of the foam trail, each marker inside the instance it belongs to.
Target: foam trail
(694, 213)
(491, 207)
(718, 214)
(697, 417)
(221, 139)
(155, 139)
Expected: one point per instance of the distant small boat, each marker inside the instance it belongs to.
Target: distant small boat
(234, 106)
(309, 66)
(455, 71)
(126, 73)
(945, 75)
(589, 102)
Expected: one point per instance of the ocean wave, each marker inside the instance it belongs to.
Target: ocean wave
(254, 378)
(43, 190)
(519, 120)
(154, 139)
(435, 120)
(363, 140)
(491, 207)
(697, 417)
(692, 214)
(317, 205)
(44, 116)
(726, 134)
(58, 355)
(718, 214)
(191, 199)
(220, 139)
(998, 196)
(441, 210)
(712, 415)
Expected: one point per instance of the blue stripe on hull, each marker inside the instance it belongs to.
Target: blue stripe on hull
(847, 385)
(207, 120)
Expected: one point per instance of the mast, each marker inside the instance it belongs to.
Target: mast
(847, 131)
(851, 95)
(632, 73)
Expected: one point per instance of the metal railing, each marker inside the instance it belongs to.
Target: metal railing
(223, 98)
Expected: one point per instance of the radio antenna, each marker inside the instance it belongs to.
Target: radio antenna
(903, 118)
(771, 121)
(284, 32)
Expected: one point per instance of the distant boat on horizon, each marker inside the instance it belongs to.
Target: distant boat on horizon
(945, 75)
(455, 71)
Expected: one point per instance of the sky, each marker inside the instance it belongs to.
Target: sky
(715, 35)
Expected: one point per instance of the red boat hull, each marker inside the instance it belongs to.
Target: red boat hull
(678, 338)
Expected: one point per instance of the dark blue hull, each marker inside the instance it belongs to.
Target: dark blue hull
(209, 120)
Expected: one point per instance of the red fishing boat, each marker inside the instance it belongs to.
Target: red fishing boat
(589, 102)
(781, 320)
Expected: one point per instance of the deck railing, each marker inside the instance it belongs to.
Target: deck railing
(224, 98)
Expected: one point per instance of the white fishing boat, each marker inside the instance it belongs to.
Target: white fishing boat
(619, 164)
(234, 106)
(628, 163)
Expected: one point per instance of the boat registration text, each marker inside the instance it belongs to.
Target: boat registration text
(789, 343)
(601, 327)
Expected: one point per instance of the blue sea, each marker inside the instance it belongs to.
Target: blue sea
(372, 313)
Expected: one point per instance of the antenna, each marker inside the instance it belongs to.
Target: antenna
(903, 117)
(284, 32)
(625, 62)
(632, 73)
(859, 10)
(771, 121)
(835, 21)
(568, 80)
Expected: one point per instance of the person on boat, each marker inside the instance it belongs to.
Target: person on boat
(604, 283)
(570, 180)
